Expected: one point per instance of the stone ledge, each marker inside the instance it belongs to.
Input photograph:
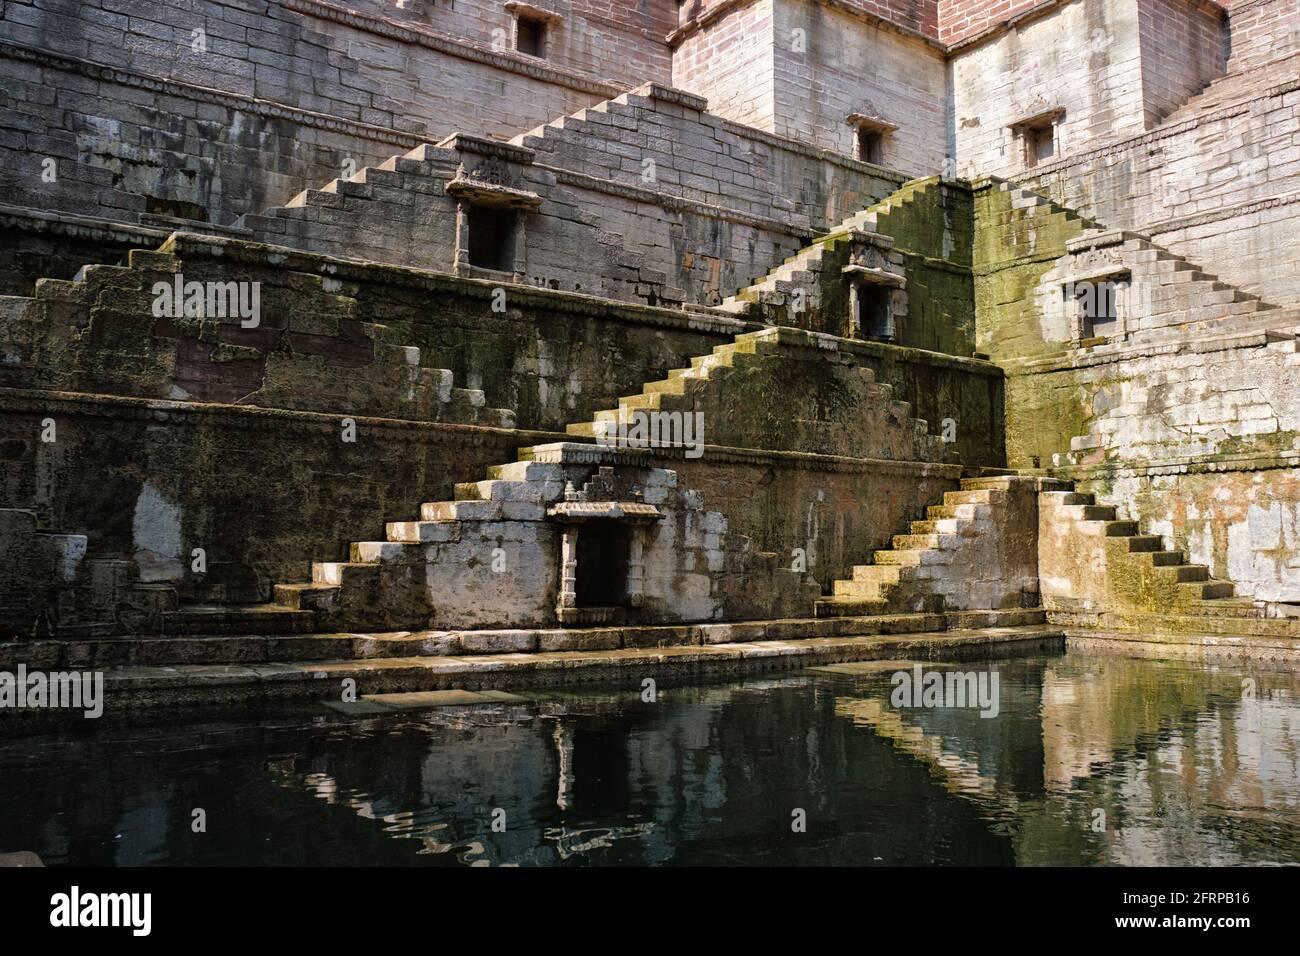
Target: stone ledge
(1254, 335)
(256, 417)
(130, 687)
(1288, 461)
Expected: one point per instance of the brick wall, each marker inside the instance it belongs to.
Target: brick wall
(730, 63)
(958, 19)
(1262, 31)
(1184, 48)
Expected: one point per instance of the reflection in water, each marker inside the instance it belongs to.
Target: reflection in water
(1092, 760)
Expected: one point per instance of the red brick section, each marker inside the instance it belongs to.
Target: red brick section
(919, 15)
(959, 19)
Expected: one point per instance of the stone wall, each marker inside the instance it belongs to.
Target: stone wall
(233, 439)
(842, 65)
(645, 198)
(280, 95)
(1083, 59)
(621, 40)
(800, 68)
(730, 63)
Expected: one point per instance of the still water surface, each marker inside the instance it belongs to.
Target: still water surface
(1091, 760)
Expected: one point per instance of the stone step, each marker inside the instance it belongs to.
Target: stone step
(1145, 542)
(849, 607)
(1090, 512)
(237, 619)
(1065, 498)
(1121, 529)
(461, 511)
(884, 573)
(304, 597)
(1167, 558)
(1185, 572)
(898, 558)
(915, 542)
(422, 532)
(343, 573)
(1209, 590)
(938, 526)
(983, 497)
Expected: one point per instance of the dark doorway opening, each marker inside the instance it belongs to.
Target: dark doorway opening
(873, 311)
(871, 146)
(492, 238)
(603, 548)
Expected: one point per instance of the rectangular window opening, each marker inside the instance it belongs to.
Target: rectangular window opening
(870, 146)
(530, 36)
(873, 311)
(1096, 303)
(1040, 143)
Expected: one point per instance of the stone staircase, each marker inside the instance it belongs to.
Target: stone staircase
(962, 556)
(1236, 86)
(803, 269)
(521, 491)
(419, 169)
(695, 388)
(1200, 299)
(1143, 573)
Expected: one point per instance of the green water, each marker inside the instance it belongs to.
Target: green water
(1091, 760)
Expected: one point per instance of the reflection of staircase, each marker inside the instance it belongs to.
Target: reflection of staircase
(800, 270)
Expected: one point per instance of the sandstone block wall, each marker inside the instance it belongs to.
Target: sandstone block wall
(799, 68)
(281, 95)
(848, 65)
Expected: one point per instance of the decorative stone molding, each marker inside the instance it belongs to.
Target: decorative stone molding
(870, 122)
(518, 9)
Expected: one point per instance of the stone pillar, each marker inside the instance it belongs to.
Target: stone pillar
(462, 236)
(635, 566)
(568, 569)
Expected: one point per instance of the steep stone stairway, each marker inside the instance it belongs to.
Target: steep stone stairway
(519, 491)
(1236, 86)
(690, 389)
(416, 170)
(968, 553)
(803, 269)
(1138, 563)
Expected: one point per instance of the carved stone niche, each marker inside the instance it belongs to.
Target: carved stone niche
(491, 220)
(1097, 288)
(602, 575)
(876, 283)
